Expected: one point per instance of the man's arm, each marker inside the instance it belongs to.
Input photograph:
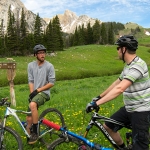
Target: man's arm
(110, 87)
(31, 87)
(45, 87)
(115, 91)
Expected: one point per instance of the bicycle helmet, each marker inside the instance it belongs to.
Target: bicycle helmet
(38, 47)
(127, 41)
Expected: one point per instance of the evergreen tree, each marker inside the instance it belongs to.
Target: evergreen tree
(11, 33)
(54, 36)
(103, 34)
(89, 34)
(49, 36)
(111, 38)
(96, 32)
(2, 39)
(23, 33)
(76, 37)
(81, 40)
(57, 35)
(38, 30)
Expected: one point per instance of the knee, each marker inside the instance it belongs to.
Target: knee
(33, 106)
(29, 119)
(106, 127)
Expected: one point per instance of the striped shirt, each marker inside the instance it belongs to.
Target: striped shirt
(137, 96)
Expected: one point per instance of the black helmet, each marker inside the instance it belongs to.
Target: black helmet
(127, 41)
(38, 47)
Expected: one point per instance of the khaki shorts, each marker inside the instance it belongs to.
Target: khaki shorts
(40, 99)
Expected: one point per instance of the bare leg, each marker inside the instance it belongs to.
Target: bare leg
(29, 123)
(34, 118)
(34, 111)
(115, 135)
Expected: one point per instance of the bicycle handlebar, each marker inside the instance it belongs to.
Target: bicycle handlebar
(4, 102)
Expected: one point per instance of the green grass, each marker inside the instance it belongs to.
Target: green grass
(76, 63)
(82, 73)
(71, 98)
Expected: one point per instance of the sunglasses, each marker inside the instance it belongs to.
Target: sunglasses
(118, 48)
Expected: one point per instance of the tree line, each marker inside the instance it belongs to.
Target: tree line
(17, 40)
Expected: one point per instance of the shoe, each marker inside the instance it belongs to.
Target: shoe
(33, 138)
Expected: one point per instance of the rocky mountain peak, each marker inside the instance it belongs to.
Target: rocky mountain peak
(69, 20)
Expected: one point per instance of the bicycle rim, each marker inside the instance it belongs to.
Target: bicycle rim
(69, 143)
(11, 140)
(55, 116)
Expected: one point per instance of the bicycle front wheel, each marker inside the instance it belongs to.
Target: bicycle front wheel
(10, 140)
(69, 143)
(48, 134)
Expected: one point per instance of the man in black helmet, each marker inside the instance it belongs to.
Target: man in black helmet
(134, 84)
(41, 77)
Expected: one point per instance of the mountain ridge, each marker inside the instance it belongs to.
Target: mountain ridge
(68, 21)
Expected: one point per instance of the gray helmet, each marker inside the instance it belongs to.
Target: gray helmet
(127, 41)
(38, 47)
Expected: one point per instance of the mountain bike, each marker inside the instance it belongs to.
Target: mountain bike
(72, 141)
(10, 139)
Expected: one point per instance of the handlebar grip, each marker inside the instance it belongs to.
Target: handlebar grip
(51, 124)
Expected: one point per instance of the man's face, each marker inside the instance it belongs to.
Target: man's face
(41, 55)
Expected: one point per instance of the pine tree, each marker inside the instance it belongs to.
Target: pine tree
(57, 35)
(2, 39)
(49, 36)
(89, 34)
(81, 35)
(103, 34)
(23, 34)
(111, 38)
(38, 30)
(76, 37)
(11, 33)
(96, 32)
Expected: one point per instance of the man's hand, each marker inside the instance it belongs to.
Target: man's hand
(96, 98)
(33, 94)
(91, 106)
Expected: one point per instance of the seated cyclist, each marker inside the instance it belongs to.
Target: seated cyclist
(134, 83)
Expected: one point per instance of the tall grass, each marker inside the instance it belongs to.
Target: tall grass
(76, 63)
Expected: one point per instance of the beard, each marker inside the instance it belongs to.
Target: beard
(41, 59)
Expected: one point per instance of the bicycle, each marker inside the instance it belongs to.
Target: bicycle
(46, 133)
(72, 141)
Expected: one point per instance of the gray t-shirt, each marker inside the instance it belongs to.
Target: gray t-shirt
(41, 75)
(137, 96)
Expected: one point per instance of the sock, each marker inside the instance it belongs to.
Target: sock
(35, 128)
(122, 145)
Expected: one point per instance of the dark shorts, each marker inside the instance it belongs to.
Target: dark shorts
(40, 99)
(140, 122)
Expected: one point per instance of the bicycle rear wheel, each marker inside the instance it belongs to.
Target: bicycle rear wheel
(55, 116)
(10, 140)
(68, 143)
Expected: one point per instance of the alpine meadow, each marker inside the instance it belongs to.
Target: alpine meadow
(82, 72)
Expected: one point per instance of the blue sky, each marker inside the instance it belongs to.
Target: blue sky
(123, 11)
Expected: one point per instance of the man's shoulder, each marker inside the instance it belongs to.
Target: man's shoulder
(48, 63)
(31, 63)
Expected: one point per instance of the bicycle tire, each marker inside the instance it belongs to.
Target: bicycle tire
(10, 140)
(55, 116)
(69, 143)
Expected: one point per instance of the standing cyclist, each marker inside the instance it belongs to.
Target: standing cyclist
(134, 83)
(41, 77)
